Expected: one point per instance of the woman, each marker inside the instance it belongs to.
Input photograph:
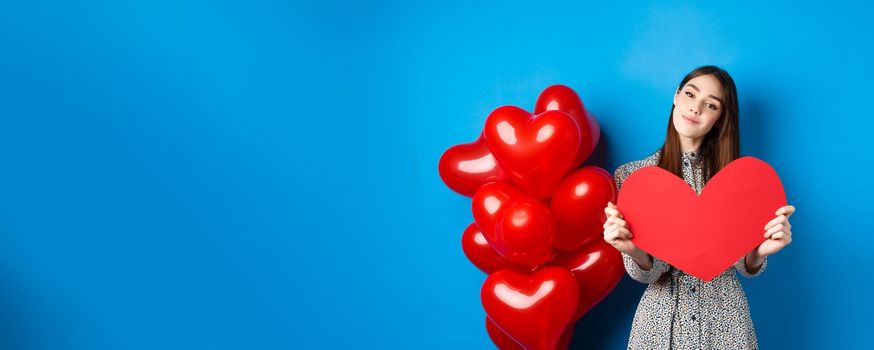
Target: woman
(677, 310)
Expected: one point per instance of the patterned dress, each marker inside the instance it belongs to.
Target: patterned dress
(680, 311)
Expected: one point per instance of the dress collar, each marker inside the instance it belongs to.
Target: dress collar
(691, 156)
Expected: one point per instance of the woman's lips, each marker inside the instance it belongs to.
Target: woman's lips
(690, 121)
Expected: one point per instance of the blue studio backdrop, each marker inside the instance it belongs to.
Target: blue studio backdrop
(263, 174)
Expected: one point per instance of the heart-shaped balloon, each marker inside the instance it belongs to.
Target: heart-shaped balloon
(536, 151)
(501, 339)
(704, 234)
(598, 268)
(562, 98)
(481, 254)
(578, 206)
(519, 227)
(504, 342)
(467, 166)
(533, 309)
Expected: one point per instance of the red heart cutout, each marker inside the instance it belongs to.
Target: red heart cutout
(536, 151)
(578, 206)
(534, 310)
(701, 235)
(467, 166)
(504, 342)
(598, 268)
(481, 254)
(519, 227)
(563, 98)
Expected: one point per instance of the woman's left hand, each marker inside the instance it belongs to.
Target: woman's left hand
(778, 231)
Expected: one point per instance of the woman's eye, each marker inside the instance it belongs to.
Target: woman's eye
(689, 94)
(711, 106)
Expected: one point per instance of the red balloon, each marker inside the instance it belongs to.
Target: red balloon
(597, 267)
(533, 309)
(578, 206)
(535, 151)
(519, 227)
(562, 98)
(504, 342)
(501, 339)
(565, 341)
(467, 166)
(481, 254)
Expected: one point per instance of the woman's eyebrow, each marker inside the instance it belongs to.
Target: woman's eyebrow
(699, 90)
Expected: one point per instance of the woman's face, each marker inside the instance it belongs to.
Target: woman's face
(697, 106)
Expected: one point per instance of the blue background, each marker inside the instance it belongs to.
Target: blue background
(263, 175)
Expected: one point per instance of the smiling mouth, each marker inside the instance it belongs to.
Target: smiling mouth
(693, 121)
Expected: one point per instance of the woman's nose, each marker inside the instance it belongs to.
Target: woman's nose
(693, 110)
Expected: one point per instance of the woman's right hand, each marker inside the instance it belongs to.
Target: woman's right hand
(616, 230)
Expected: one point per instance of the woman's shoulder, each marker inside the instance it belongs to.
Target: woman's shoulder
(626, 169)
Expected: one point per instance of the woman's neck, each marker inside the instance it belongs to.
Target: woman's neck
(688, 144)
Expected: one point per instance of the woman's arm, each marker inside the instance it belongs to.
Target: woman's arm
(639, 264)
(752, 264)
(647, 270)
(778, 233)
(642, 258)
(754, 261)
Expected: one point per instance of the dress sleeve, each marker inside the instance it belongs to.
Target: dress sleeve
(637, 273)
(741, 267)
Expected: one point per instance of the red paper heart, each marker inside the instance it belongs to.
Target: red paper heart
(578, 206)
(701, 235)
(534, 310)
(535, 151)
(467, 166)
(563, 98)
(598, 267)
(519, 227)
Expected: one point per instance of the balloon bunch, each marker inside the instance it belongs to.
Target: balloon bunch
(538, 219)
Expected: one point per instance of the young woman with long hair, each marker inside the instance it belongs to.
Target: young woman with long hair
(677, 310)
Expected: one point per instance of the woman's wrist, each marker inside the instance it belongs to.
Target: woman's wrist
(754, 261)
(641, 258)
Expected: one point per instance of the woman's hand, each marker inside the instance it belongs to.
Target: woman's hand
(616, 230)
(778, 231)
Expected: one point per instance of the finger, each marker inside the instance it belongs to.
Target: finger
(620, 222)
(787, 210)
(611, 211)
(775, 221)
(778, 235)
(608, 222)
(610, 233)
(615, 209)
(775, 229)
(790, 210)
(618, 233)
(623, 233)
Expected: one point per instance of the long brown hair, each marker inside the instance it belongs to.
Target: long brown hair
(721, 145)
